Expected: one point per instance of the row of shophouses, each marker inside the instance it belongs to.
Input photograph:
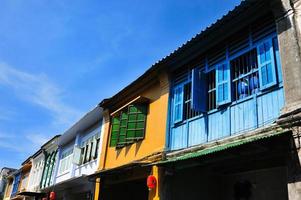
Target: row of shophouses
(218, 118)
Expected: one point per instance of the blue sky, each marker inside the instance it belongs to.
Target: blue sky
(59, 58)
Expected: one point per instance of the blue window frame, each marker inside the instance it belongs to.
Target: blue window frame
(223, 89)
(178, 98)
(266, 64)
(16, 184)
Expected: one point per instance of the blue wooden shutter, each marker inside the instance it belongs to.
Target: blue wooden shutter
(266, 64)
(178, 98)
(277, 58)
(223, 86)
(199, 91)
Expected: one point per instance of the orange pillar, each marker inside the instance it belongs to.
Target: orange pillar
(97, 189)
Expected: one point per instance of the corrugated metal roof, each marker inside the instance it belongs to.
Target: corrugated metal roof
(221, 147)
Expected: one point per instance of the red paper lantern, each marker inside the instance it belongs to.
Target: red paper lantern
(151, 182)
(52, 196)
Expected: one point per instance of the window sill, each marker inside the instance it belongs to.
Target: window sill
(85, 164)
(63, 173)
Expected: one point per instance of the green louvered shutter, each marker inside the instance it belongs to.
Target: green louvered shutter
(136, 122)
(122, 130)
(115, 131)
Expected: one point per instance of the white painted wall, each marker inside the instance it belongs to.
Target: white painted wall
(36, 172)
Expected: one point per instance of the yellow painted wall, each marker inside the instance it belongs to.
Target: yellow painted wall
(155, 131)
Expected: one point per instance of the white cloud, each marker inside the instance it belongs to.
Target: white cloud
(37, 138)
(39, 90)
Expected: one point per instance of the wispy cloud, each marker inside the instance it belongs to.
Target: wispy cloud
(38, 89)
(37, 138)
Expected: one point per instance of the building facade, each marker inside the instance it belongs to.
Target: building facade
(233, 131)
(4, 173)
(78, 157)
(135, 127)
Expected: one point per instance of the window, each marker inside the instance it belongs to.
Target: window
(245, 64)
(245, 79)
(24, 182)
(16, 184)
(178, 98)
(223, 89)
(266, 62)
(66, 160)
(89, 149)
(128, 125)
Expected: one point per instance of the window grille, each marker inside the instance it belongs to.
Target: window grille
(245, 78)
(188, 112)
(211, 90)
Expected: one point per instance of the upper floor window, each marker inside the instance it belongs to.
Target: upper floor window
(24, 182)
(89, 148)
(16, 184)
(128, 125)
(235, 78)
(245, 77)
(65, 162)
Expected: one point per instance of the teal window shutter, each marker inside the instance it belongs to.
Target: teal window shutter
(178, 98)
(199, 91)
(266, 64)
(223, 80)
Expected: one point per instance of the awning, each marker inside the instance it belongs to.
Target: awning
(32, 194)
(221, 147)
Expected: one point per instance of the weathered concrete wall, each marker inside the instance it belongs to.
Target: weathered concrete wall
(287, 13)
